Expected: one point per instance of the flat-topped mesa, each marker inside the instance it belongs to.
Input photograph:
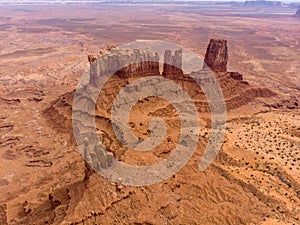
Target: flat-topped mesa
(172, 63)
(216, 56)
(124, 63)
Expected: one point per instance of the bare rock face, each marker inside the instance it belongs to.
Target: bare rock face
(236, 75)
(172, 63)
(75, 202)
(216, 56)
(94, 57)
(124, 63)
(290, 102)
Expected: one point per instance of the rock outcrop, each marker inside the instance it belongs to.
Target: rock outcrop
(235, 75)
(216, 56)
(134, 63)
(93, 57)
(124, 63)
(172, 63)
(290, 102)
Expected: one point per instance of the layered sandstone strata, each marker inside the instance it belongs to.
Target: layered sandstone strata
(124, 63)
(216, 56)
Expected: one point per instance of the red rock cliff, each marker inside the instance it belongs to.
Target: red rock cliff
(216, 56)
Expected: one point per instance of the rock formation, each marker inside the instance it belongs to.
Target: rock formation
(172, 63)
(138, 63)
(97, 157)
(124, 63)
(75, 203)
(216, 56)
(127, 65)
(289, 102)
(134, 63)
(235, 75)
(93, 57)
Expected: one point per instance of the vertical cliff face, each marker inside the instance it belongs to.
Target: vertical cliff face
(172, 63)
(124, 64)
(137, 63)
(216, 56)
